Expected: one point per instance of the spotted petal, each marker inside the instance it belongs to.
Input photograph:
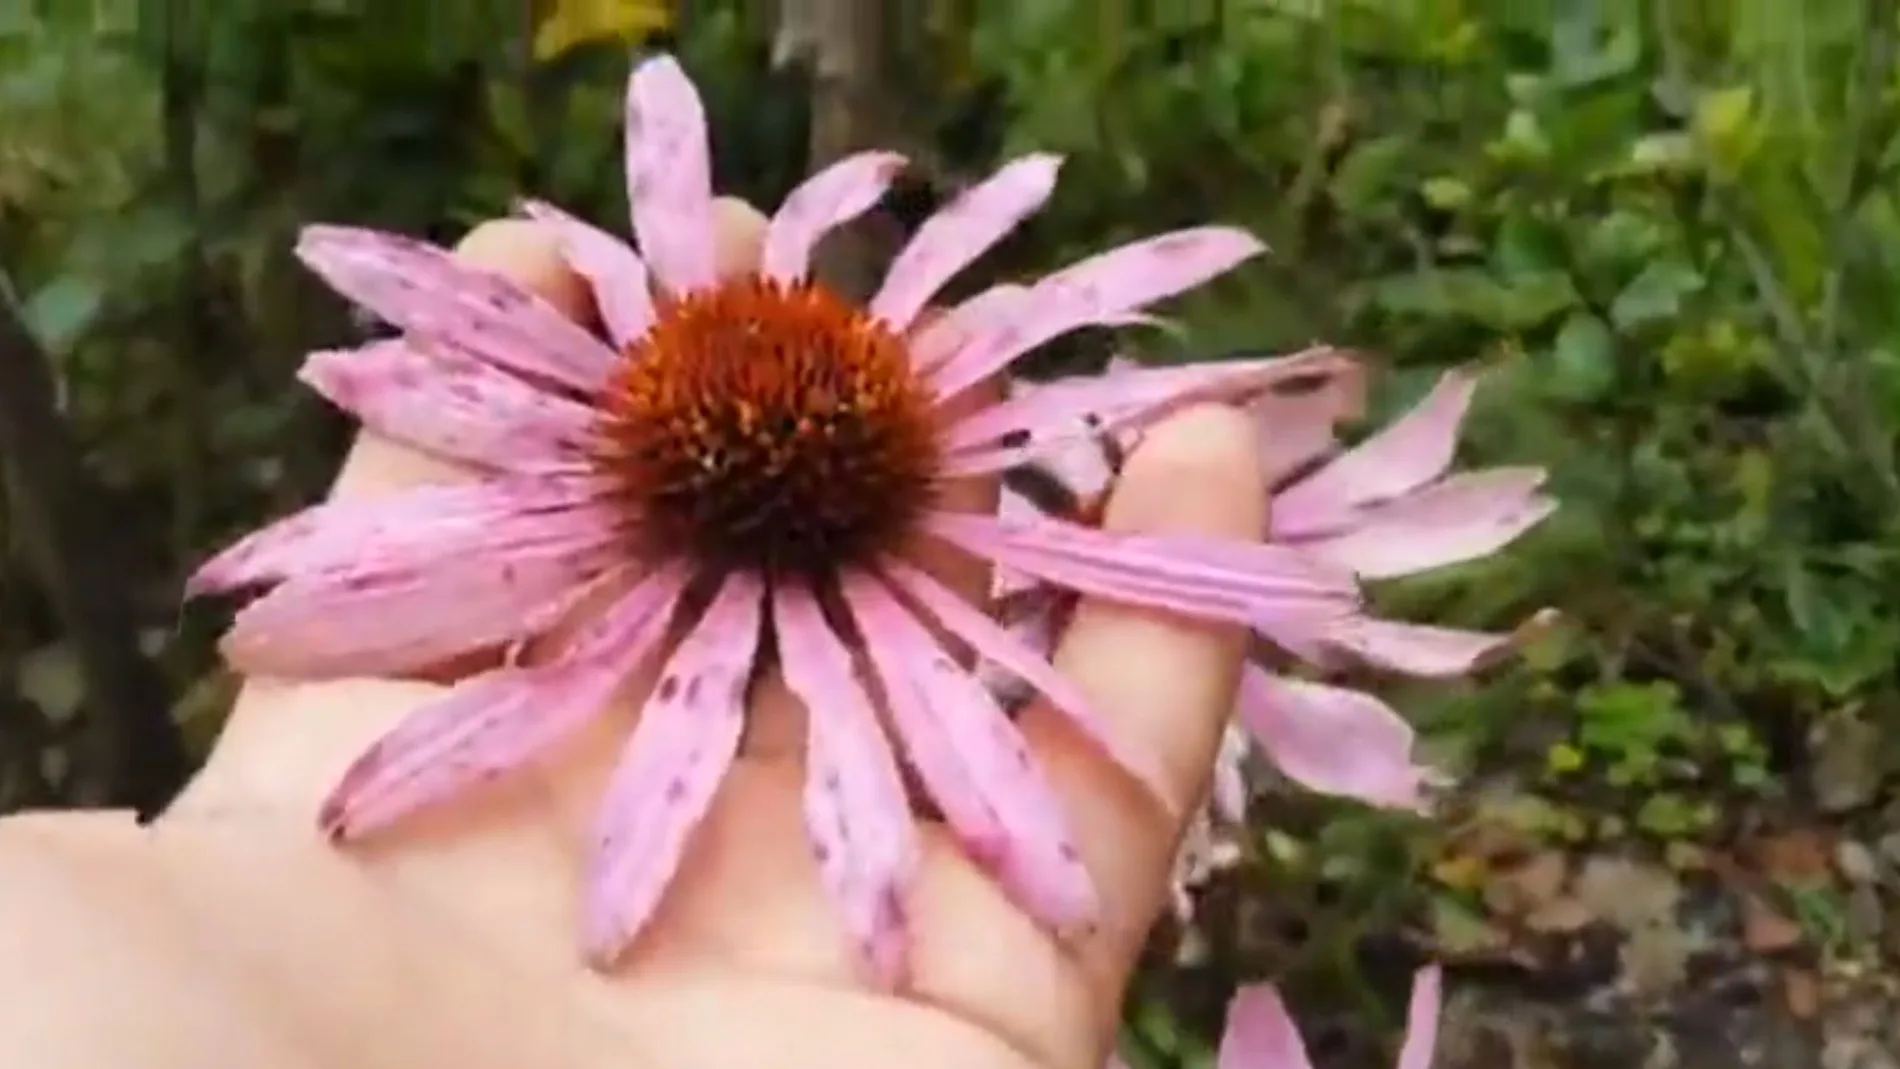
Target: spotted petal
(975, 763)
(963, 230)
(1199, 577)
(499, 721)
(669, 176)
(457, 409)
(671, 768)
(1407, 455)
(1104, 287)
(427, 292)
(825, 201)
(411, 602)
(1331, 739)
(1461, 519)
(855, 807)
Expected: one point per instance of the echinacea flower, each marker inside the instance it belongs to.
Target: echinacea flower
(1386, 508)
(751, 463)
(1260, 1034)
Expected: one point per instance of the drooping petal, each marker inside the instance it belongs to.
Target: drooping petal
(1460, 519)
(671, 768)
(991, 642)
(1199, 577)
(940, 338)
(1297, 430)
(501, 720)
(1413, 451)
(669, 176)
(855, 807)
(1123, 400)
(452, 408)
(379, 616)
(404, 530)
(960, 232)
(1421, 1019)
(426, 291)
(1260, 1034)
(1104, 287)
(1415, 649)
(1332, 740)
(623, 294)
(975, 763)
(821, 204)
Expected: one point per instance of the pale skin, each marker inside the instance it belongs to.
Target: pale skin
(230, 934)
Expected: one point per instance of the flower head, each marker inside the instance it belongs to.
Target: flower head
(750, 463)
(1385, 508)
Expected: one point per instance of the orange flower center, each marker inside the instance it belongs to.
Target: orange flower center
(772, 428)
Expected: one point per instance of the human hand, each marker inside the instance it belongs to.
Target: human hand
(231, 933)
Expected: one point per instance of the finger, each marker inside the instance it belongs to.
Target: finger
(523, 251)
(530, 254)
(256, 759)
(1165, 685)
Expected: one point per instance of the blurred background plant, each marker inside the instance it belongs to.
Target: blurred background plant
(1670, 228)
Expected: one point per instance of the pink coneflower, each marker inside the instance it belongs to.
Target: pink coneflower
(751, 464)
(1385, 508)
(1261, 1034)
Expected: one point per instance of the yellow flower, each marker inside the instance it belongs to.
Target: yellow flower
(571, 23)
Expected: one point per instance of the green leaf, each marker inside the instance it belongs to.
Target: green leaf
(61, 311)
(1472, 293)
(1655, 294)
(1583, 359)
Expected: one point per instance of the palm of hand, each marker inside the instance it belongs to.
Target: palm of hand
(231, 934)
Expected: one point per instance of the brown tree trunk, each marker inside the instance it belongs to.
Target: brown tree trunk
(846, 46)
(129, 752)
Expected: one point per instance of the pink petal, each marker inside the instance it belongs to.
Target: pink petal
(991, 642)
(963, 230)
(1123, 400)
(1413, 451)
(975, 763)
(501, 720)
(1198, 577)
(671, 768)
(824, 202)
(1260, 1033)
(855, 807)
(1296, 430)
(939, 339)
(1460, 519)
(380, 615)
(1332, 740)
(1102, 288)
(399, 531)
(669, 176)
(453, 408)
(1414, 649)
(623, 293)
(1421, 1019)
(427, 292)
